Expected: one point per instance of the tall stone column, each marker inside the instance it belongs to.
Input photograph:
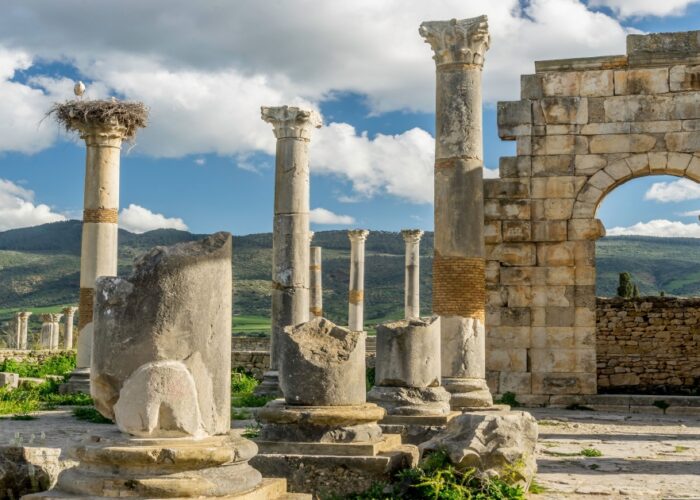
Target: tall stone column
(46, 331)
(17, 329)
(459, 290)
(412, 278)
(290, 235)
(25, 329)
(69, 313)
(315, 283)
(103, 125)
(356, 297)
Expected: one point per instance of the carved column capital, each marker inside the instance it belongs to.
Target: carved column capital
(291, 121)
(358, 234)
(411, 235)
(463, 41)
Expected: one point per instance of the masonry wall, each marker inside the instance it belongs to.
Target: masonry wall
(648, 344)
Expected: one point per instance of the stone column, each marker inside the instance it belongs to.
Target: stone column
(412, 279)
(46, 331)
(69, 312)
(103, 133)
(459, 290)
(55, 330)
(17, 328)
(356, 297)
(315, 283)
(25, 329)
(290, 235)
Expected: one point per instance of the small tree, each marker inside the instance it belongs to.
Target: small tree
(635, 291)
(626, 287)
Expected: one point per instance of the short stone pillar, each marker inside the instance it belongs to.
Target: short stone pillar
(290, 234)
(324, 422)
(24, 338)
(69, 313)
(17, 331)
(103, 125)
(315, 283)
(168, 389)
(356, 295)
(50, 330)
(412, 276)
(459, 287)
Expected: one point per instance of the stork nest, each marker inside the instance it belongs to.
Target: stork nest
(78, 114)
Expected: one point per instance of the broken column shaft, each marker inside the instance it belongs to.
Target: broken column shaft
(315, 283)
(412, 276)
(24, 316)
(459, 289)
(356, 295)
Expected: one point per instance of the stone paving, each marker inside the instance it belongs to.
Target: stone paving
(643, 455)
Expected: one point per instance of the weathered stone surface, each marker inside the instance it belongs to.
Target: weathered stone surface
(497, 444)
(426, 401)
(170, 321)
(641, 81)
(9, 380)
(25, 470)
(331, 356)
(683, 78)
(408, 353)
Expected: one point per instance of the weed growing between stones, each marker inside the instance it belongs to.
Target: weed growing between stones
(242, 387)
(30, 398)
(252, 431)
(370, 376)
(591, 452)
(436, 478)
(58, 364)
(662, 405)
(90, 414)
(508, 398)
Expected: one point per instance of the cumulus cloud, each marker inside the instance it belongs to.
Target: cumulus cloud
(138, 219)
(658, 227)
(323, 216)
(674, 191)
(17, 208)
(691, 213)
(200, 161)
(632, 8)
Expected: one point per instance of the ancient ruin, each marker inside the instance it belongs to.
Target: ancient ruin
(50, 330)
(315, 283)
(412, 275)
(68, 313)
(356, 292)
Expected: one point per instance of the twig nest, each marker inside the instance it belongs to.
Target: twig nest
(82, 115)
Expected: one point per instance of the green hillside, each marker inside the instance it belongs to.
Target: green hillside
(39, 267)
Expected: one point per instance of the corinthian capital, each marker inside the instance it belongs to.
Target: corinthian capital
(457, 41)
(411, 235)
(290, 121)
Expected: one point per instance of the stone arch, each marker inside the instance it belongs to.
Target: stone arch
(582, 128)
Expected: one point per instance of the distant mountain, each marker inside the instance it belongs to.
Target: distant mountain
(39, 266)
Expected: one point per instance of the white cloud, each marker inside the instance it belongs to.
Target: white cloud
(658, 227)
(17, 208)
(631, 8)
(691, 213)
(200, 161)
(138, 220)
(323, 216)
(674, 191)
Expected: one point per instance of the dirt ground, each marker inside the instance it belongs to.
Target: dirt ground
(641, 455)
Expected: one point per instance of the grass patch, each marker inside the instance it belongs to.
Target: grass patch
(508, 398)
(436, 478)
(242, 387)
(58, 364)
(90, 414)
(591, 452)
(241, 415)
(551, 423)
(536, 488)
(680, 449)
(27, 399)
(251, 431)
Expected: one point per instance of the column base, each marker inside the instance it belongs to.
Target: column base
(469, 394)
(122, 466)
(414, 401)
(415, 429)
(270, 385)
(78, 381)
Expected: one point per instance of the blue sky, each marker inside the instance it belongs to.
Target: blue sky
(204, 69)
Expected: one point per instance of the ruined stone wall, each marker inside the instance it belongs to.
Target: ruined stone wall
(583, 127)
(244, 343)
(648, 343)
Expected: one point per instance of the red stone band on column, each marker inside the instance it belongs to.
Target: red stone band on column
(101, 215)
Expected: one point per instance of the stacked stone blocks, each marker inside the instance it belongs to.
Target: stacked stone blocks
(582, 127)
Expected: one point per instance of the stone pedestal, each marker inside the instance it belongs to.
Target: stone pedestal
(356, 295)
(459, 288)
(290, 233)
(324, 437)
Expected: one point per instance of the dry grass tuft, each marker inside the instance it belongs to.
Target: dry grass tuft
(77, 114)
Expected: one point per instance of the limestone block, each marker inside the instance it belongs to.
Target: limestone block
(519, 295)
(567, 129)
(678, 162)
(462, 346)
(9, 380)
(655, 127)
(549, 230)
(553, 187)
(558, 208)
(506, 188)
(523, 145)
(597, 83)
(555, 254)
(585, 316)
(584, 296)
(621, 379)
(515, 382)
(426, 401)
(408, 353)
(586, 229)
(507, 209)
(523, 275)
(622, 143)
(688, 142)
(584, 336)
(662, 47)
(657, 161)
(638, 108)
(638, 164)
(492, 232)
(539, 316)
(495, 444)
(560, 316)
(493, 315)
(530, 86)
(552, 360)
(515, 316)
(564, 383)
(606, 128)
(585, 275)
(512, 254)
(559, 145)
(561, 83)
(514, 166)
(589, 164)
(618, 170)
(514, 118)
(602, 180)
(641, 81)
(684, 78)
(688, 125)
(332, 356)
(517, 230)
(553, 337)
(560, 275)
(686, 106)
(174, 307)
(550, 165)
(506, 337)
(506, 359)
(559, 296)
(563, 110)
(584, 253)
(596, 109)
(693, 170)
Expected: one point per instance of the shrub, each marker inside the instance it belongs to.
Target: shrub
(626, 287)
(57, 364)
(508, 398)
